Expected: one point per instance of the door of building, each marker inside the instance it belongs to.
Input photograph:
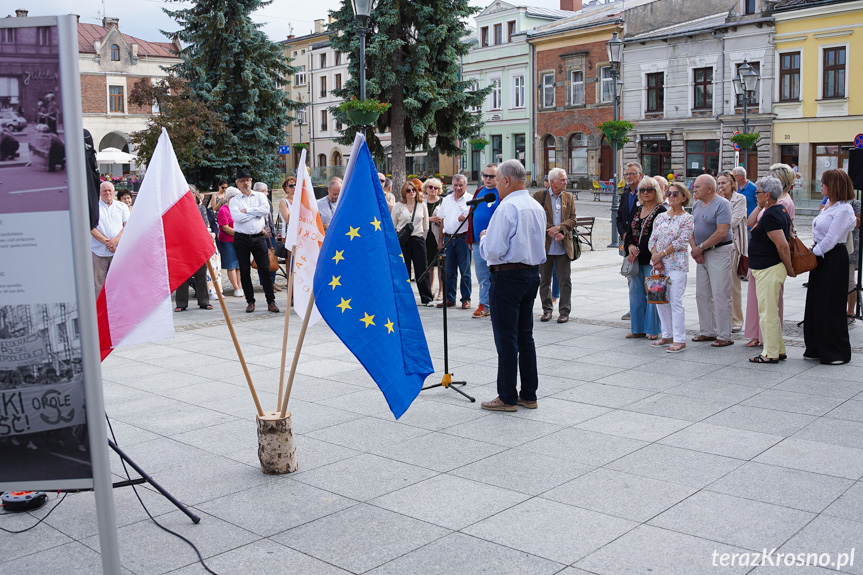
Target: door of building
(474, 165)
(606, 157)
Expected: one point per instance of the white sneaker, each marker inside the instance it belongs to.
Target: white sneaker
(239, 293)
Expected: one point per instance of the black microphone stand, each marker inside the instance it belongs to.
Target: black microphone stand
(446, 381)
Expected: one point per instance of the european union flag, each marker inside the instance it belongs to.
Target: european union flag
(363, 291)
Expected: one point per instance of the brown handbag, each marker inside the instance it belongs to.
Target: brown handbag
(274, 262)
(802, 258)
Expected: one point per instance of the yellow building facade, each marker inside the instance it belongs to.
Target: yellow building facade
(818, 100)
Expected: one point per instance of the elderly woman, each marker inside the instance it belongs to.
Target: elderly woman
(669, 249)
(387, 185)
(726, 186)
(431, 189)
(125, 196)
(785, 175)
(412, 211)
(226, 243)
(644, 319)
(825, 330)
(770, 262)
(663, 187)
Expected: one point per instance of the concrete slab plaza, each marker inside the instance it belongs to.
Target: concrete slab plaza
(636, 461)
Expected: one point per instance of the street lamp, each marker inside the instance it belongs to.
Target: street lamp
(745, 83)
(362, 13)
(615, 52)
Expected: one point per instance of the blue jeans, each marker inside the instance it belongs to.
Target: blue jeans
(555, 284)
(512, 294)
(457, 262)
(482, 276)
(643, 316)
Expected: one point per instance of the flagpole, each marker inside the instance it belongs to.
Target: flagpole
(290, 291)
(234, 338)
(309, 309)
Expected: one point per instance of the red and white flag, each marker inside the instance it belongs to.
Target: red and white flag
(306, 234)
(162, 246)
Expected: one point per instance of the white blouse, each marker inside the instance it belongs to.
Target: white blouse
(402, 215)
(831, 226)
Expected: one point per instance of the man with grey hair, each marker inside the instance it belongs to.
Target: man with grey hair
(632, 174)
(113, 216)
(745, 188)
(559, 207)
(454, 210)
(712, 250)
(327, 204)
(514, 247)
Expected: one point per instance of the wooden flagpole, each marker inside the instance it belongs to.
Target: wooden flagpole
(234, 338)
(297, 353)
(290, 291)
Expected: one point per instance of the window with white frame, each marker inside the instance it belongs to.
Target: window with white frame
(496, 103)
(576, 88)
(833, 72)
(301, 117)
(578, 154)
(606, 84)
(474, 85)
(300, 76)
(548, 90)
(518, 91)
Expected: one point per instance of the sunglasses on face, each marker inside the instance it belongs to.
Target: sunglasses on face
(630, 173)
(411, 190)
(675, 194)
(645, 190)
(382, 181)
(489, 176)
(433, 188)
(292, 185)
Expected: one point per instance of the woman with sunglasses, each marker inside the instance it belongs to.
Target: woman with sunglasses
(412, 211)
(218, 200)
(643, 318)
(726, 186)
(289, 186)
(669, 249)
(432, 188)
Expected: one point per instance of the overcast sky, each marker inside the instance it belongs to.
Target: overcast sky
(144, 18)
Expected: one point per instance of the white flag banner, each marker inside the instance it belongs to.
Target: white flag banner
(304, 236)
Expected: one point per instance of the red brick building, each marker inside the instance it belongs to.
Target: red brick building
(574, 92)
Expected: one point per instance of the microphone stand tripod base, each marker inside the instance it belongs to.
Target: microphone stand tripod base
(447, 382)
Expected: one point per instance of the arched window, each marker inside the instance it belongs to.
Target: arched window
(578, 154)
(115, 53)
(322, 160)
(337, 158)
(549, 153)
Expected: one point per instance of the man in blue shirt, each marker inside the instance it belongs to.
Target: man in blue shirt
(478, 224)
(745, 188)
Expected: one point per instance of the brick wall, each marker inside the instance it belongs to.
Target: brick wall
(94, 94)
(134, 109)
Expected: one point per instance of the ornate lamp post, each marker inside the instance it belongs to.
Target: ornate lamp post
(744, 84)
(615, 52)
(362, 13)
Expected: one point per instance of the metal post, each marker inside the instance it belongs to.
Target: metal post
(362, 31)
(615, 198)
(745, 128)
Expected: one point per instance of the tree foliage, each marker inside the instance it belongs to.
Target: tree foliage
(232, 69)
(413, 56)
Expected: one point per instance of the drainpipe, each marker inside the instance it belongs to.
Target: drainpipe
(716, 36)
(533, 111)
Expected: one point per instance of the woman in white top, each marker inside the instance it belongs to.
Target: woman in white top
(825, 330)
(290, 186)
(410, 211)
(432, 188)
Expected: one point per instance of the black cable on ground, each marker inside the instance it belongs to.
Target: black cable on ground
(150, 515)
(56, 505)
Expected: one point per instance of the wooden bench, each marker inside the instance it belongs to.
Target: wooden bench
(584, 229)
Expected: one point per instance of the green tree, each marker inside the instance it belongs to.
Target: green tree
(231, 67)
(413, 55)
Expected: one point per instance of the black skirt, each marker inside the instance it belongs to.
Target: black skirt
(825, 327)
(431, 249)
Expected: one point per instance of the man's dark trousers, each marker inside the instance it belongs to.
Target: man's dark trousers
(457, 262)
(201, 292)
(256, 245)
(512, 295)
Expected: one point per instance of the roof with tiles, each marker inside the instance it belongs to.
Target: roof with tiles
(90, 33)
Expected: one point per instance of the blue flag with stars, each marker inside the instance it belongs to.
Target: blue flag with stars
(362, 289)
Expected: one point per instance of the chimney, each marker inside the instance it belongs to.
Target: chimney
(290, 36)
(21, 13)
(319, 26)
(571, 5)
(115, 22)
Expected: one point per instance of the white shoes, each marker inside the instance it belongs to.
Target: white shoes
(239, 293)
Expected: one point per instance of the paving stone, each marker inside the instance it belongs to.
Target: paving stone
(682, 466)
(562, 412)
(714, 390)
(794, 402)
(604, 395)
(634, 425)
(584, 446)
(678, 406)
(849, 505)
(69, 559)
(833, 431)
(816, 457)
(768, 421)
(367, 433)
(851, 410)
(503, 429)
(718, 440)
(260, 557)
(438, 451)
(826, 534)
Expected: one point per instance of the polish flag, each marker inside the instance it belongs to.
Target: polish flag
(304, 237)
(162, 246)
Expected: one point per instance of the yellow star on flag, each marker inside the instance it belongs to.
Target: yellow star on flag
(335, 282)
(368, 320)
(389, 325)
(376, 223)
(402, 256)
(354, 233)
(339, 257)
(346, 304)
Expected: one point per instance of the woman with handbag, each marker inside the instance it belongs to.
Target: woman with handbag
(785, 175)
(644, 319)
(226, 243)
(669, 249)
(432, 188)
(726, 186)
(411, 221)
(825, 329)
(770, 262)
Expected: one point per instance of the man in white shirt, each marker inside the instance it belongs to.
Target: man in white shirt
(454, 209)
(327, 204)
(113, 216)
(514, 247)
(250, 210)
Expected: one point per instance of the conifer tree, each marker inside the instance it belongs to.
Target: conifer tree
(413, 58)
(231, 66)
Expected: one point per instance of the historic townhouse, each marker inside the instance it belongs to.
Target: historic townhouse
(817, 99)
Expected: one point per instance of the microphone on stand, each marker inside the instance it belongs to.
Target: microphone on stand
(486, 199)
